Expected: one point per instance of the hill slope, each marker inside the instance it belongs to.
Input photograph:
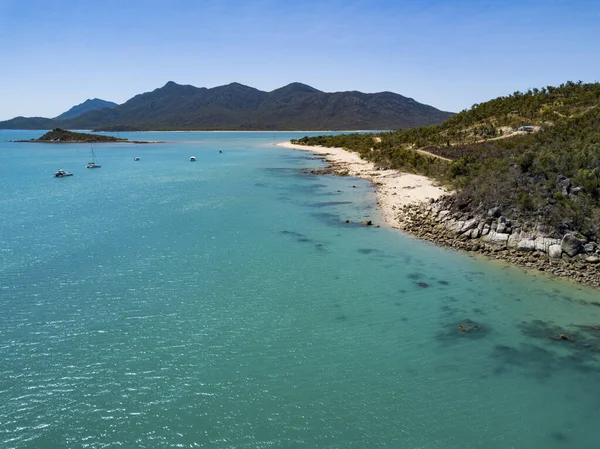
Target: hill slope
(95, 104)
(550, 178)
(238, 107)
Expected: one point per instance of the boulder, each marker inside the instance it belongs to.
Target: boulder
(458, 227)
(474, 233)
(503, 225)
(575, 191)
(592, 259)
(570, 245)
(494, 212)
(590, 247)
(501, 228)
(555, 251)
(564, 184)
(468, 225)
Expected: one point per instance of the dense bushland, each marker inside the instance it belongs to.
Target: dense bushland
(551, 177)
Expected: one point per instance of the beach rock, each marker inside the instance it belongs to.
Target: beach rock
(592, 259)
(590, 247)
(571, 245)
(496, 237)
(526, 245)
(555, 251)
(544, 243)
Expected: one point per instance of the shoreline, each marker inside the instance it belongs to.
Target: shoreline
(409, 203)
(394, 189)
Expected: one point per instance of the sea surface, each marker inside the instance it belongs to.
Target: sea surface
(224, 303)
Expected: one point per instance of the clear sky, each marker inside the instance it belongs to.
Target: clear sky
(446, 53)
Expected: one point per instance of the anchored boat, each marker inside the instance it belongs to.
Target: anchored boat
(60, 173)
(94, 163)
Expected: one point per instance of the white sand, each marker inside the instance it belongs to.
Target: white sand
(394, 189)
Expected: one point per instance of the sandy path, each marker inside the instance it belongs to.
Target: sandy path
(394, 189)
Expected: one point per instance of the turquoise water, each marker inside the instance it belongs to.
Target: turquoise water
(225, 304)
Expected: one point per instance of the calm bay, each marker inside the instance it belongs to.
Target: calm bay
(224, 303)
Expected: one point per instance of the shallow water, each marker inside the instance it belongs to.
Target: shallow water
(226, 304)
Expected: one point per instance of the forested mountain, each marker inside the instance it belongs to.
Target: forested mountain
(238, 107)
(95, 104)
(550, 176)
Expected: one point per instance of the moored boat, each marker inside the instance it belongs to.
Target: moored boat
(60, 173)
(94, 163)
(193, 159)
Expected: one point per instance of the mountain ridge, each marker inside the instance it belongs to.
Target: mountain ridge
(94, 104)
(235, 106)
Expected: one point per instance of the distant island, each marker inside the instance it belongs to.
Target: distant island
(235, 107)
(59, 135)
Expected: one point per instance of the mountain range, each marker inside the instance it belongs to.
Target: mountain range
(238, 107)
(88, 105)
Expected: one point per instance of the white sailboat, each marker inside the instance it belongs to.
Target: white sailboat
(94, 163)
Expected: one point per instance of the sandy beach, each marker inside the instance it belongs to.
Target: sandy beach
(394, 189)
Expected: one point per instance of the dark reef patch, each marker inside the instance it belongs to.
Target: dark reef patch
(577, 338)
(466, 329)
(335, 220)
(328, 203)
(366, 250)
(297, 236)
(559, 436)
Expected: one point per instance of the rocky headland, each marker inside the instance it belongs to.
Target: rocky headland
(495, 235)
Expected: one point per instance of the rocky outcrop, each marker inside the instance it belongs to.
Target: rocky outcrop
(571, 245)
(497, 236)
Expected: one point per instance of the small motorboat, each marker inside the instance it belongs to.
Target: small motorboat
(60, 173)
(136, 158)
(193, 159)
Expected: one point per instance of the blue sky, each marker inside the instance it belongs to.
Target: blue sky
(449, 54)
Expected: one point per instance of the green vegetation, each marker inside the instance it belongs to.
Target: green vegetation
(59, 135)
(550, 177)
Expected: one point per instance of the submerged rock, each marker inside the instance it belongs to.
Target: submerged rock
(561, 337)
(468, 326)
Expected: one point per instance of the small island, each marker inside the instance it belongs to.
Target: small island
(59, 135)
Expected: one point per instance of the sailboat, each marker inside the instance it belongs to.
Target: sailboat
(94, 163)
